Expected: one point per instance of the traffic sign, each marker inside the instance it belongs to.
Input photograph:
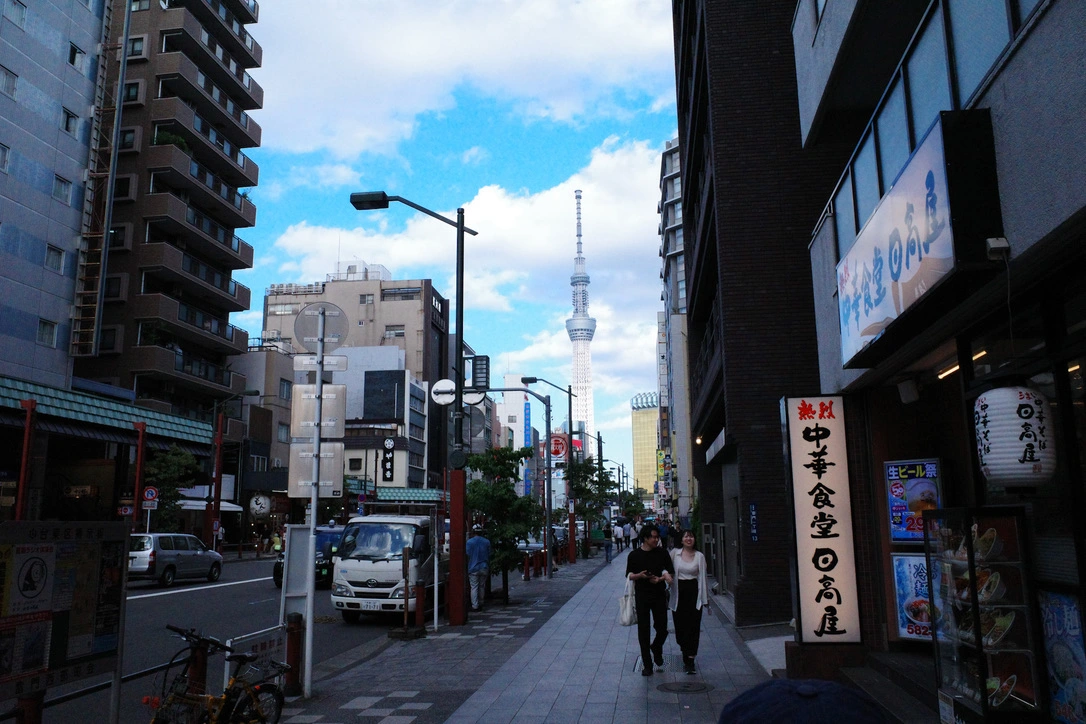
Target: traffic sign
(150, 493)
(124, 510)
(443, 392)
(558, 446)
(150, 505)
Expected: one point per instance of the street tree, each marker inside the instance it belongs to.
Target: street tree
(169, 471)
(507, 518)
(591, 490)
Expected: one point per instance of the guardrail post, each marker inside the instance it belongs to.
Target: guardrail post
(295, 628)
(528, 566)
(420, 604)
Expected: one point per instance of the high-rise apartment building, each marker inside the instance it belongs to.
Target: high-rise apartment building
(645, 431)
(179, 199)
(52, 85)
(748, 186)
(671, 340)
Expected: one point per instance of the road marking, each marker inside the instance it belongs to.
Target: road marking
(197, 588)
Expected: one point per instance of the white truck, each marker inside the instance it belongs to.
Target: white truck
(368, 572)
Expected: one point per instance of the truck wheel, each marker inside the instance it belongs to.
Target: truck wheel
(351, 616)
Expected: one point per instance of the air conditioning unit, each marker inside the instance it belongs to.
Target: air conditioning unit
(277, 463)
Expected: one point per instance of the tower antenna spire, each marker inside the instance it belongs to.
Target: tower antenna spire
(581, 328)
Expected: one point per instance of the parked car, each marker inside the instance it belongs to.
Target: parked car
(169, 556)
(327, 543)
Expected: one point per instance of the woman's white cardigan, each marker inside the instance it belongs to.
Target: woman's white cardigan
(703, 584)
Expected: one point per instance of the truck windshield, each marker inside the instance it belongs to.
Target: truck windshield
(377, 541)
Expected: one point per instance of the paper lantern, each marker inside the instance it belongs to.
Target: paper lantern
(1016, 443)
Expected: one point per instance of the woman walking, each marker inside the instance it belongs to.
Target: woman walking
(690, 593)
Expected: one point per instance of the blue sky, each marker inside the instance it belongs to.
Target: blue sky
(503, 107)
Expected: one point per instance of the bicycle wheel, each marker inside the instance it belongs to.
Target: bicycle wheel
(266, 709)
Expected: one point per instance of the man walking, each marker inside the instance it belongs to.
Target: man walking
(627, 531)
(607, 540)
(478, 549)
(650, 568)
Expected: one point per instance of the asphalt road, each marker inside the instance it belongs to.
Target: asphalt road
(244, 600)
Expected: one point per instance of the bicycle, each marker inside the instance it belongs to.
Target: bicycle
(243, 701)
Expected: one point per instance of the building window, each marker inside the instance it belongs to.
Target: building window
(4, 151)
(402, 294)
(394, 330)
(365, 299)
(8, 82)
(258, 463)
(15, 11)
(113, 287)
(284, 432)
(127, 139)
(71, 122)
(512, 420)
(47, 333)
(62, 189)
(118, 237)
(131, 92)
(107, 342)
(76, 57)
(354, 464)
(123, 189)
(54, 258)
(137, 47)
(283, 310)
(141, 5)
(285, 387)
(929, 91)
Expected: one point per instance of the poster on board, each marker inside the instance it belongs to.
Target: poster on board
(912, 486)
(916, 615)
(1066, 655)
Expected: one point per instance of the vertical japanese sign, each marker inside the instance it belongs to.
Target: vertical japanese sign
(388, 460)
(825, 556)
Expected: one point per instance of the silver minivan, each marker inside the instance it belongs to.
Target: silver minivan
(169, 556)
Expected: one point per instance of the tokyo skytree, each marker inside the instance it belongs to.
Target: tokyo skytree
(581, 328)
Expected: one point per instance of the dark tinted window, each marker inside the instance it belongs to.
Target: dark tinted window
(139, 543)
(181, 542)
(165, 543)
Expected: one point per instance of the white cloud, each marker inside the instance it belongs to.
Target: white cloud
(474, 156)
(322, 176)
(349, 76)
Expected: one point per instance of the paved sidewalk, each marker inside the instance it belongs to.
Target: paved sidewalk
(557, 654)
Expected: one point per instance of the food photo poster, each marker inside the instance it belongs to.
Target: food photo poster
(1062, 623)
(915, 612)
(912, 486)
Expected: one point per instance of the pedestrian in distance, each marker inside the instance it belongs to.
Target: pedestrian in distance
(650, 568)
(627, 532)
(664, 533)
(478, 549)
(608, 537)
(618, 537)
(689, 594)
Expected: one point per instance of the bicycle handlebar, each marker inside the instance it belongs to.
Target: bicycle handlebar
(193, 637)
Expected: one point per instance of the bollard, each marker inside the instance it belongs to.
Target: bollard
(295, 631)
(420, 605)
(540, 560)
(29, 708)
(527, 566)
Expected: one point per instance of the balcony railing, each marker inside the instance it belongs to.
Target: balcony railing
(209, 227)
(223, 99)
(213, 182)
(201, 368)
(210, 275)
(209, 132)
(203, 320)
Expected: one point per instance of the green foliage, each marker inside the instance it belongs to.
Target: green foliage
(165, 138)
(591, 491)
(169, 471)
(630, 504)
(509, 518)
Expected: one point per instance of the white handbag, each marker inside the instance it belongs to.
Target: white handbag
(627, 611)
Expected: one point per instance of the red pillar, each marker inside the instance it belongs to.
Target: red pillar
(458, 569)
(137, 497)
(24, 467)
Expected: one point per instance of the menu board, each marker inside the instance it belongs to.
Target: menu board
(912, 486)
(1061, 620)
(61, 602)
(916, 615)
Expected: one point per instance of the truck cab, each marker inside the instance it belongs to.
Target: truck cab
(368, 572)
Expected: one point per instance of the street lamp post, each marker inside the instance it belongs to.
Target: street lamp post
(570, 502)
(371, 200)
(211, 509)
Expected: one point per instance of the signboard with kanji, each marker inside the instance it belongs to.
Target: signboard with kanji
(63, 602)
(558, 446)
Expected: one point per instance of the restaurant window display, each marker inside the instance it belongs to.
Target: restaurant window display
(984, 616)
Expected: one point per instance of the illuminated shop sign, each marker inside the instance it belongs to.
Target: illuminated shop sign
(829, 610)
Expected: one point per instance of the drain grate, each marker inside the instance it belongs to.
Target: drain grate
(683, 687)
